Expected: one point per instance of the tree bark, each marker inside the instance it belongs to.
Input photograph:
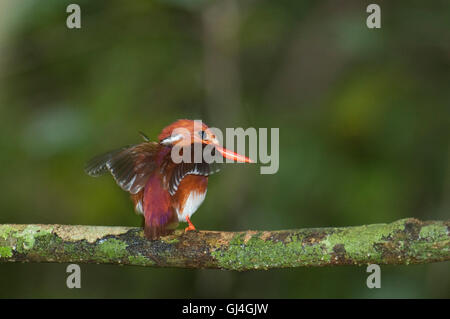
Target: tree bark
(407, 241)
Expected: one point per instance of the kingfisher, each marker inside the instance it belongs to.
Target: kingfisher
(164, 189)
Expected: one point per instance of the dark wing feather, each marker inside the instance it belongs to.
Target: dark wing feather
(97, 165)
(130, 166)
(183, 169)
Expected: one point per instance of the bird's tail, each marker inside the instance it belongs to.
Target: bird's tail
(160, 217)
(154, 231)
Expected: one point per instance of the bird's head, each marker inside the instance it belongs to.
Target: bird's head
(184, 133)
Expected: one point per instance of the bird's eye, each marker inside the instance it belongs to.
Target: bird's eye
(202, 135)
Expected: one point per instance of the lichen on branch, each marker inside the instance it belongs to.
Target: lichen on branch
(407, 241)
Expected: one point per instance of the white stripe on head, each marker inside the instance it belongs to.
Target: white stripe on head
(171, 139)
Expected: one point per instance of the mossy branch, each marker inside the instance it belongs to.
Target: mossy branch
(407, 241)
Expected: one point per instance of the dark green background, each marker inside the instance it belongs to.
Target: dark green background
(363, 114)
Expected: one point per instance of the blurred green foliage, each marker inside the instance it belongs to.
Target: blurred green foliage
(363, 114)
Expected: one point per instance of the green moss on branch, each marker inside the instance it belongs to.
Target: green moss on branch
(407, 241)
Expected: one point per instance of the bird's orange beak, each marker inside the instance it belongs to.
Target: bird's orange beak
(227, 153)
(232, 155)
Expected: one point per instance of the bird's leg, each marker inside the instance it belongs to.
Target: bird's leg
(191, 226)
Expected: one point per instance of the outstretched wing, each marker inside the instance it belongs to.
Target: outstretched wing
(183, 169)
(131, 166)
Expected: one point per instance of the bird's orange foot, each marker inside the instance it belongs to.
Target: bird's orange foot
(191, 226)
